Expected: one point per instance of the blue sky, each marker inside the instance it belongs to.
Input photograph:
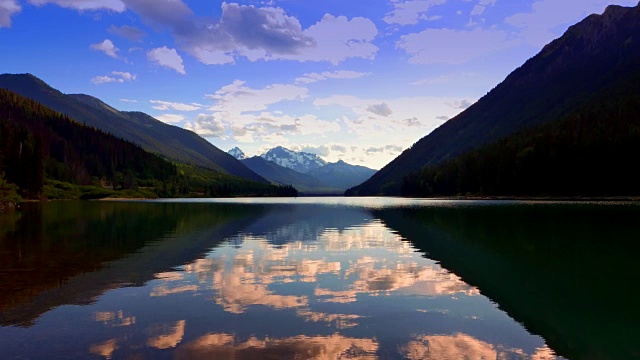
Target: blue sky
(357, 80)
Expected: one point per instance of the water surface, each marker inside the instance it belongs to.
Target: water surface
(319, 278)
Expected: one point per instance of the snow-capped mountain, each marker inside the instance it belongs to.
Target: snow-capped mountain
(299, 161)
(237, 153)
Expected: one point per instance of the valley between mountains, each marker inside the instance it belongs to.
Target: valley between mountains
(564, 124)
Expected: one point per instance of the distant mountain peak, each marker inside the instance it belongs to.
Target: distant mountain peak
(299, 161)
(237, 153)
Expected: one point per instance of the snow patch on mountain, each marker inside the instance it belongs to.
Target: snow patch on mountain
(237, 153)
(299, 161)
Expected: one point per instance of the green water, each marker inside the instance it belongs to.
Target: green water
(321, 278)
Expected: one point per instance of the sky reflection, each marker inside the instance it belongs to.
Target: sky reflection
(316, 282)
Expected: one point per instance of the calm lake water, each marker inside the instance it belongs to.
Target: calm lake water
(320, 278)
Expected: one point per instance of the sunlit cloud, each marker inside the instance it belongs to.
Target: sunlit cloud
(115, 77)
(104, 349)
(168, 58)
(106, 47)
(167, 105)
(167, 336)
(226, 346)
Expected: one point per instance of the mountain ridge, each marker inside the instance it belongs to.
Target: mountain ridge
(151, 134)
(588, 56)
(299, 161)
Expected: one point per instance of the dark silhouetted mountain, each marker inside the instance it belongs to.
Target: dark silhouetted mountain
(566, 75)
(47, 154)
(151, 134)
(284, 176)
(302, 162)
(237, 153)
(342, 175)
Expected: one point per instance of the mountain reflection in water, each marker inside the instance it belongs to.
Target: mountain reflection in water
(321, 279)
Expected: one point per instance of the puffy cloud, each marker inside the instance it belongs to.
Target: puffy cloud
(451, 46)
(238, 98)
(129, 32)
(338, 39)
(258, 33)
(550, 18)
(114, 5)
(338, 74)
(106, 47)
(166, 105)
(381, 109)
(170, 118)
(407, 12)
(7, 9)
(168, 58)
(206, 125)
(225, 346)
(116, 76)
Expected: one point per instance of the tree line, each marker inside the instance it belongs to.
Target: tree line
(39, 146)
(590, 152)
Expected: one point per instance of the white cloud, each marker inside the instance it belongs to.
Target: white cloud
(339, 74)
(106, 47)
(8, 8)
(168, 58)
(170, 118)
(117, 76)
(263, 127)
(236, 98)
(337, 39)
(548, 19)
(400, 124)
(206, 125)
(406, 12)
(451, 46)
(114, 5)
(166, 105)
(128, 100)
(258, 33)
(102, 80)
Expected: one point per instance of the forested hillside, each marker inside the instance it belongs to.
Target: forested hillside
(44, 154)
(591, 152)
(563, 77)
(169, 141)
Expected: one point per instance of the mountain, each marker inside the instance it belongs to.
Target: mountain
(302, 162)
(151, 134)
(275, 173)
(45, 154)
(592, 55)
(237, 153)
(342, 175)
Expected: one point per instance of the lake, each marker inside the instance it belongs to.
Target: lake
(320, 278)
